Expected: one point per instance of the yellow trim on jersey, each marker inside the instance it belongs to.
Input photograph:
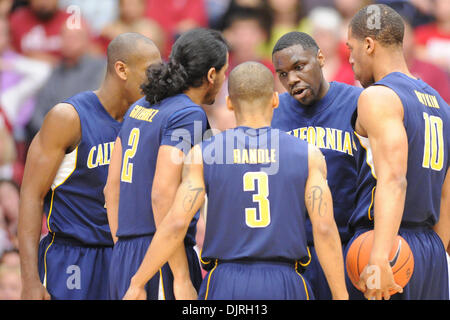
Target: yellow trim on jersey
(74, 167)
(50, 212)
(372, 169)
(53, 189)
(201, 260)
(371, 203)
(309, 261)
(303, 279)
(209, 279)
(162, 284)
(45, 261)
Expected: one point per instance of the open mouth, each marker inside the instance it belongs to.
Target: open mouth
(299, 92)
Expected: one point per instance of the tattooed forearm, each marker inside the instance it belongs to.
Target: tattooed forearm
(191, 196)
(315, 200)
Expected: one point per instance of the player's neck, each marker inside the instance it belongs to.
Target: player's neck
(252, 121)
(391, 62)
(112, 99)
(197, 95)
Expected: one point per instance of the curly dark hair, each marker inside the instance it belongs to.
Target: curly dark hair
(193, 54)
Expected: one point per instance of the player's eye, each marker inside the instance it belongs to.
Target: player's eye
(299, 67)
(282, 75)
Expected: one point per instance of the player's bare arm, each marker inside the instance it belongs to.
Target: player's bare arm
(60, 133)
(442, 228)
(173, 227)
(112, 188)
(380, 115)
(319, 204)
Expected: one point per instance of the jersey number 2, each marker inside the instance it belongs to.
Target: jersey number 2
(127, 167)
(251, 218)
(433, 152)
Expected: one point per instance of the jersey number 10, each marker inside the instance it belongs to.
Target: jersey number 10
(433, 152)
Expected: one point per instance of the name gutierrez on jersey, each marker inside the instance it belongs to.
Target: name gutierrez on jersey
(100, 155)
(326, 138)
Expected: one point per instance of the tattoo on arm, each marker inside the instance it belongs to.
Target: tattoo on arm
(191, 196)
(315, 200)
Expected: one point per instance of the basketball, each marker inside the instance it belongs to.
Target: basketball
(401, 258)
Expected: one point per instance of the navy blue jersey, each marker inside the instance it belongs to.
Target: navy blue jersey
(75, 205)
(326, 124)
(255, 182)
(177, 122)
(427, 124)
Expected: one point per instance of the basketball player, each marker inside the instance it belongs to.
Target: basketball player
(65, 174)
(403, 130)
(319, 112)
(260, 182)
(146, 168)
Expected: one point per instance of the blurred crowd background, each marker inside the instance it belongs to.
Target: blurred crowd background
(52, 49)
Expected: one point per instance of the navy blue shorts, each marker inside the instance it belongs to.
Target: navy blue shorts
(254, 281)
(72, 271)
(429, 280)
(127, 256)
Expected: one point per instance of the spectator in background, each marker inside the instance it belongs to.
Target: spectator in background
(347, 9)
(132, 19)
(433, 39)
(9, 206)
(10, 258)
(417, 11)
(246, 30)
(176, 17)
(428, 72)
(287, 15)
(8, 154)
(78, 71)
(20, 79)
(10, 283)
(325, 24)
(36, 30)
(5, 8)
(98, 13)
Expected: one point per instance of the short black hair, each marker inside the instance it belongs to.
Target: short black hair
(249, 82)
(380, 22)
(193, 54)
(123, 46)
(295, 38)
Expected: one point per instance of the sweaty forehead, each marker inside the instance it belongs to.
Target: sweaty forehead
(290, 56)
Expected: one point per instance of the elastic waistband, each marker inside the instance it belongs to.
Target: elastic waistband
(66, 240)
(284, 262)
(403, 227)
(187, 241)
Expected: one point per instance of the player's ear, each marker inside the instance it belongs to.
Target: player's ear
(321, 58)
(369, 45)
(229, 103)
(121, 70)
(211, 76)
(275, 100)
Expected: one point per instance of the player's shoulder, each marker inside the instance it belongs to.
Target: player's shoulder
(346, 91)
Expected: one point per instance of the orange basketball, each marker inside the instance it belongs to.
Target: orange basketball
(401, 258)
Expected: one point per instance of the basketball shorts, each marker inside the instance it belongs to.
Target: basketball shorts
(127, 256)
(429, 280)
(71, 270)
(254, 281)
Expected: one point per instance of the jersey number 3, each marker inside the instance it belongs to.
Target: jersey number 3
(127, 166)
(433, 152)
(251, 218)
